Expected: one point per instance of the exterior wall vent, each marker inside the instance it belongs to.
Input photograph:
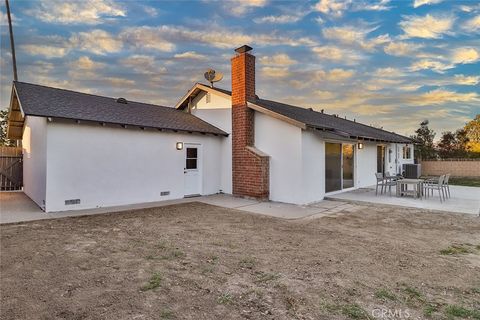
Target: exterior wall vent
(164, 193)
(72, 201)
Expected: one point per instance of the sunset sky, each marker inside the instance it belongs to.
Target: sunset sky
(387, 63)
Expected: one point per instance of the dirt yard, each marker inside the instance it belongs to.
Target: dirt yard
(195, 261)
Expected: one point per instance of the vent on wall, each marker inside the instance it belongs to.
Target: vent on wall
(164, 193)
(72, 201)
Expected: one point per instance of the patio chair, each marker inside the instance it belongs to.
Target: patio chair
(380, 182)
(446, 186)
(434, 184)
(390, 181)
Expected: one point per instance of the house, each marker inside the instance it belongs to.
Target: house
(85, 151)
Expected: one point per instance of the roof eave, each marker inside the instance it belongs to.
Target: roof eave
(276, 115)
(16, 116)
(198, 86)
(125, 125)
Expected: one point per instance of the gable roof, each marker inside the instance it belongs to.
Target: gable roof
(331, 126)
(42, 101)
(198, 88)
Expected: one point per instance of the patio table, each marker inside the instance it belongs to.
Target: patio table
(402, 187)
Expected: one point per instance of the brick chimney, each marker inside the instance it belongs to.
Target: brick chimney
(250, 167)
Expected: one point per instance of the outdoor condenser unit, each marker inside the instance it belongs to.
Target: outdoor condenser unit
(412, 171)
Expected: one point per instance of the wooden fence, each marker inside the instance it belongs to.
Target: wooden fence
(11, 168)
(456, 167)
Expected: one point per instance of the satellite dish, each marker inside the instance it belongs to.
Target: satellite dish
(212, 76)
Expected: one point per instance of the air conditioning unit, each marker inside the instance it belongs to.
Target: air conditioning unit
(412, 171)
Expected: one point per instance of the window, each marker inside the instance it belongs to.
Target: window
(407, 152)
(192, 158)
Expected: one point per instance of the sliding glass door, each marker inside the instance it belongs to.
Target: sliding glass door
(339, 166)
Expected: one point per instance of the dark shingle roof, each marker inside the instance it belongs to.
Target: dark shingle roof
(337, 125)
(37, 100)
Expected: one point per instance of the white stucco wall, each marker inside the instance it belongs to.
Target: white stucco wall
(104, 166)
(34, 144)
(366, 165)
(313, 167)
(218, 112)
(283, 143)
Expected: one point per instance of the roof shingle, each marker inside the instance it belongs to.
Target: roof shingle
(37, 100)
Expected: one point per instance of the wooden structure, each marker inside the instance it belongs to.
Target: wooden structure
(11, 168)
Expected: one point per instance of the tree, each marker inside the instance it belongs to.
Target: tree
(423, 138)
(453, 144)
(3, 130)
(472, 131)
(446, 145)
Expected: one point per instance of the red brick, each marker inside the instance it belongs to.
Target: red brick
(250, 172)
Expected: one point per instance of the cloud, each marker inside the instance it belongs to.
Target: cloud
(338, 54)
(472, 24)
(353, 35)
(428, 27)
(277, 59)
(434, 65)
(164, 38)
(96, 41)
(47, 51)
(76, 12)
(334, 75)
(275, 72)
(418, 3)
(241, 7)
(332, 7)
(147, 37)
(119, 82)
(400, 49)
(143, 64)
(280, 19)
(190, 55)
(388, 72)
(442, 63)
(465, 55)
(382, 5)
(440, 96)
(151, 11)
(4, 19)
(85, 63)
(324, 95)
(466, 80)
(85, 68)
(336, 8)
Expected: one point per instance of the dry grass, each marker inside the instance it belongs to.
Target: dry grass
(195, 261)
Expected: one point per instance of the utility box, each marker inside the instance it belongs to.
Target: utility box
(412, 171)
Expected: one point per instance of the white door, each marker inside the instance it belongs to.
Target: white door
(192, 170)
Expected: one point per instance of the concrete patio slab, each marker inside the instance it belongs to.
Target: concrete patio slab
(462, 200)
(17, 207)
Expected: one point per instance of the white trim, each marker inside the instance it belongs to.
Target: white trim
(199, 86)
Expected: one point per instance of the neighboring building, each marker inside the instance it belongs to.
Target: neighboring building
(85, 151)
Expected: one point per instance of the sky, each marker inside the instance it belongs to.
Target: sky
(390, 64)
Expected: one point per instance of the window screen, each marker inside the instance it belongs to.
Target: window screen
(192, 158)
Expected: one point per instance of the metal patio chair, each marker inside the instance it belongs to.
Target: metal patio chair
(435, 184)
(446, 186)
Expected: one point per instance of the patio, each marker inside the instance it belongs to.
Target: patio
(462, 200)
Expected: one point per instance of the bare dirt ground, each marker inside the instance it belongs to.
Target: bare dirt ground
(196, 261)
